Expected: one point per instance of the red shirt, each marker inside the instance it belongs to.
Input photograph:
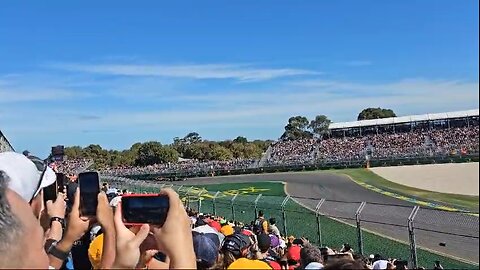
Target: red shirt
(216, 225)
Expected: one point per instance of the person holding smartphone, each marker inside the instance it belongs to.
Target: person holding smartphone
(174, 238)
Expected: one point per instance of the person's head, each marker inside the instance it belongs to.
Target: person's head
(293, 255)
(206, 247)
(21, 236)
(264, 242)
(260, 214)
(346, 248)
(272, 221)
(310, 254)
(28, 175)
(235, 246)
(345, 264)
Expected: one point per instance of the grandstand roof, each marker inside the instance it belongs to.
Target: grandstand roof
(4, 139)
(404, 119)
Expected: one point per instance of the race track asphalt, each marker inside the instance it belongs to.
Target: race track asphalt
(382, 214)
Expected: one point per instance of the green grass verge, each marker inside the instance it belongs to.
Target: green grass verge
(465, 202)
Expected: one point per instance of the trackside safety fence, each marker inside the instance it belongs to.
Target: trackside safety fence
(331, 223)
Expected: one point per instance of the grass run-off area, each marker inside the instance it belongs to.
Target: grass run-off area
(303, 222)
(469, 203)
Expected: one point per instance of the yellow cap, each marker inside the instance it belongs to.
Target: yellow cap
(227, 230)
(95, 251)
(244, 263)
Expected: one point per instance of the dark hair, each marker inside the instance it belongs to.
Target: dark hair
(260, 213)
(10, 226)
(345, 264)
(310, 254)
(272, 221)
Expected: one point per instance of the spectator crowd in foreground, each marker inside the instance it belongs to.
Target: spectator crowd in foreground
(54, 235)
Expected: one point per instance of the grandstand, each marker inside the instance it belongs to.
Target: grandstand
(429, 135)
(405, 123)
(5, 144)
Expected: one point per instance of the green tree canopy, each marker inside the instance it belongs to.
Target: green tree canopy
(375, 113)
(296, 128)
(192, 137)
(154, 153)
(220, 153)
(240, 139)
(319, 126)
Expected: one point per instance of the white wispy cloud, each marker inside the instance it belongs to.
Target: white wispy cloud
(13, 96)
(16, 88)
(157, 106)
(241, 72)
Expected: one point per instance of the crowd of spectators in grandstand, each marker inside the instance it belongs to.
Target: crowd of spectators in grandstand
(293, 152)
(185, 166)
(73, 165)
(54, 235)
(384, 145)
(416, 143)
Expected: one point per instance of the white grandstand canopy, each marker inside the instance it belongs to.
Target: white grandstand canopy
(405, 119)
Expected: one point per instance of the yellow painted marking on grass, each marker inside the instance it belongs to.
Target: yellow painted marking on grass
(202, 193)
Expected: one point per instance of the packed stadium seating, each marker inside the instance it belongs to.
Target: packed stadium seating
(411, 144)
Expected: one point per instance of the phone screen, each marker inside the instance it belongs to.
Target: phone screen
(89, 189)
(50, 193)
(60, 181)
(145, 209)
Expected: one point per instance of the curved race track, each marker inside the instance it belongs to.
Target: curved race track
(310, 187)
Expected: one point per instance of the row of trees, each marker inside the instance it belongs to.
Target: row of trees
(299, 127)
(192, 146)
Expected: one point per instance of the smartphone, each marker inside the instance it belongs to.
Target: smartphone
(61, 180)
(159, 256)
(145, 209)
(89, 188)
(50, 193)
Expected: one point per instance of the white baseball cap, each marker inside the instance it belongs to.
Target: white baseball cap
(25, 178)
(381, 264)
(314, 265)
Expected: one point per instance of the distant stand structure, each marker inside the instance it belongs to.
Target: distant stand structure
(5, 144)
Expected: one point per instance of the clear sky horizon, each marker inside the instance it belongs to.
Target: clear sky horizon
(118, 72)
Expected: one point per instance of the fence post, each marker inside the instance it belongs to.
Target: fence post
(359, 228)
(319, 226)
(411, 237)
(284, 216)
(256, 206)
(199, 201)
(232, 204)
(214, 203)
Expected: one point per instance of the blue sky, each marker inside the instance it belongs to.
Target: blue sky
(118, 72)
